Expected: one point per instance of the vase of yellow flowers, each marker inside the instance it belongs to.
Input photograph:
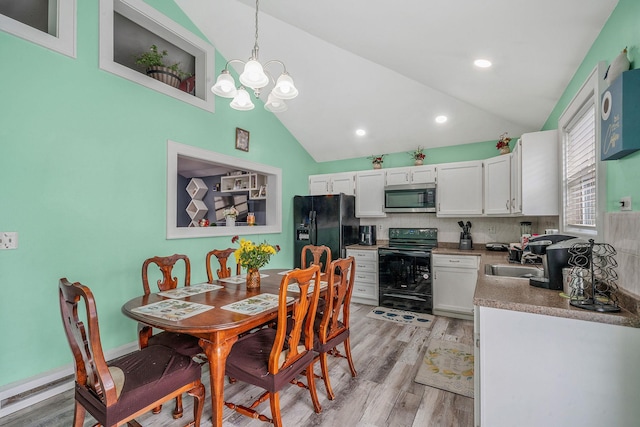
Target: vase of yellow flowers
(376, 161)
(418, 156)
(503, 144)
(253, 257)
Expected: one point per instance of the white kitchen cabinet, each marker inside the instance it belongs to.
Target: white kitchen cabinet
(411, 175)
(334, 183)
(459, 190)
(538, 370)
(370, 193)
(538, 166)
(497, 185)
(516, 179)
(454, 283)
(365, 287)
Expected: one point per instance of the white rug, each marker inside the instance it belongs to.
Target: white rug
(448, 366)
(401, 317)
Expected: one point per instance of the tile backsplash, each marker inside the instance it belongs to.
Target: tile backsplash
(622, 231)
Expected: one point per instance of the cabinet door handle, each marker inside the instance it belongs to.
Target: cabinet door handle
(454, 260)
(507, 204)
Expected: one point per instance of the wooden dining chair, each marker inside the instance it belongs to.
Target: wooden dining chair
(333, 327)
(115, 393)
(222, 255)
(320, 255)
(271, 358)
(183, 343)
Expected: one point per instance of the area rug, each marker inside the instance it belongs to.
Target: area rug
(401, 317)
(448, 366)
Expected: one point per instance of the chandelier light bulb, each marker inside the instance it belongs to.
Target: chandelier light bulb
(225, 85)
(285, 89)
(242, 101)
(253, 75)
(275, 104)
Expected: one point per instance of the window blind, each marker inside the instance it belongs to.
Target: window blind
(580, 170)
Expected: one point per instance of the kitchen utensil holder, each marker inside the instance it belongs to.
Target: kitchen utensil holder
(593, 284)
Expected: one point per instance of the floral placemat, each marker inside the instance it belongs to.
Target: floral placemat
(240, 278)
(254, 305)
(448, 366)
(293, 287)
(188, 291)
(172, 309)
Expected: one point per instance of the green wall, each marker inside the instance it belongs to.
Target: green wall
(621, 30)
(83, 181)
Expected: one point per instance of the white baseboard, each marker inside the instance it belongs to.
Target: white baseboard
(40, 382)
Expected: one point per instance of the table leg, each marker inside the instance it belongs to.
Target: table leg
(217, 352)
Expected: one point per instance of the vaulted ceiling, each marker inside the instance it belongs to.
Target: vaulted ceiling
(391, 67)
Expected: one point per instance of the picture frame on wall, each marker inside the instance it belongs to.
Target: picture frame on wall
(242, 139)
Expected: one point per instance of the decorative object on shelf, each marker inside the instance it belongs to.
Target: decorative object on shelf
(251, 219)
(593, 277)
(377, 161)
(230, 215)
(253, 257)
(503, 144)
(620, 117)
(418, 156)
(153, 60)
(619, 65)
(242, 139)
(255, 77)
(204, 222)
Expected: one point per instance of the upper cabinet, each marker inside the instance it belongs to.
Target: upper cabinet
(335, 183)
(459, 191)
(370, 193)
(497, 184)
(411, 175)
(538, 165)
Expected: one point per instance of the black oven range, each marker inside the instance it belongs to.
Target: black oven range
(404, 269)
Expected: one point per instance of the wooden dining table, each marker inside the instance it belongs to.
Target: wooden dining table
(217, 328)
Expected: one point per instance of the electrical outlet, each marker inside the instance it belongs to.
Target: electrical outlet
(625, 203)
(379, 227)
(8, 240)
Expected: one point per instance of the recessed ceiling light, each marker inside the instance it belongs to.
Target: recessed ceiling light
(482, 63)
(441, 119)
(361, 132)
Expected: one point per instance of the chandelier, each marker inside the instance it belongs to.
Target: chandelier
(256, 78)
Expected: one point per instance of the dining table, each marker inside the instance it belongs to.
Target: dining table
(224, 310)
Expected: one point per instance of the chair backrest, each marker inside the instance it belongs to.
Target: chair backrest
(166, 264)
(294, 324)
(91, 368)
(222, 255)
(340, 281)
(320, 255)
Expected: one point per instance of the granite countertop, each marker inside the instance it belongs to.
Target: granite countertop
(510, 293)
(379, 244)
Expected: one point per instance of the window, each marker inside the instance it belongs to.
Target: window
(257, 189)
(49, 23)
(582, 174)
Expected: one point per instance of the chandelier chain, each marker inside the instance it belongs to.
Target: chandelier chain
(255, 46)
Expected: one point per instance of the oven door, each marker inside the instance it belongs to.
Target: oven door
(404, 278)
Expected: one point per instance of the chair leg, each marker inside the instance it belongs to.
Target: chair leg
(198, 394)
(78, 415)
(274, 402)
(312, 389)
(325, 375)
(347, 350)
(177, 411)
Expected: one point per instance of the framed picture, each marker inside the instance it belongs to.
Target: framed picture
(242, 139)
(263, 191)
(238, 184)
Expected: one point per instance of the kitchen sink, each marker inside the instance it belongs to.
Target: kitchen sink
(513, 271)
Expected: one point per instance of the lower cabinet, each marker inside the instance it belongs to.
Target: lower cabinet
(365, 289)
(454, 283)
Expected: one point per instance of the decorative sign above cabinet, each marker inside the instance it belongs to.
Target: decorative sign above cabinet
(620, 117)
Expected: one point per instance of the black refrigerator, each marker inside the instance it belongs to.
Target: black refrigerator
(324, 220)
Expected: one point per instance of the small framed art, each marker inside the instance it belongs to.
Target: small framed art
(242, 139)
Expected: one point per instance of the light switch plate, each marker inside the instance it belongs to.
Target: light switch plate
(8, 240)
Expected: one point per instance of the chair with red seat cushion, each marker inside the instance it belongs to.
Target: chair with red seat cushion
(223, 272)
(270, 358)
(117, 392)
(332, 328)
(182, 343)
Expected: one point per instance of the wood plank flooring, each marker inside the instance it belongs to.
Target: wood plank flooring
(387, 357)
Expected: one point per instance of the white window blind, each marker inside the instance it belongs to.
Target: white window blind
(580, 170)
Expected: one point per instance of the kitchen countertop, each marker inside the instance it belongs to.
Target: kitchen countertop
(510, 293)
(379, 244)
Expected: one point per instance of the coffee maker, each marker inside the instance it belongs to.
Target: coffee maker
(368, 235)
(554, 251)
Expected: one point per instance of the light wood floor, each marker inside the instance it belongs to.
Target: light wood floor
(387, 357)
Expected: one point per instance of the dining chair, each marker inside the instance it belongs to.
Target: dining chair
(183, 343)
(222, 255)
(320, 255)
(270, 358)
(115, 393)
(333, 327)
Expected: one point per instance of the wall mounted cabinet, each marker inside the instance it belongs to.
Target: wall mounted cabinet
(370, 193)
(334, 183)
(411, 175)
(497, 184)
(459, 190)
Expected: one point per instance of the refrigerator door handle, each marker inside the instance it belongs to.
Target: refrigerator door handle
(313, 229)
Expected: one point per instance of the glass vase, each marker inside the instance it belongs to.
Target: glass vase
(253, 278)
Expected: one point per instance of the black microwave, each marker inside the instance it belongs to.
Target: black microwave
(410, 198)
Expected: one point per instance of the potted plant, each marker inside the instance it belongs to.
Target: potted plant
(153, 60)
(377, 160)
(418, 156)
(503, 144)
(230, 214)
(253, 257)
